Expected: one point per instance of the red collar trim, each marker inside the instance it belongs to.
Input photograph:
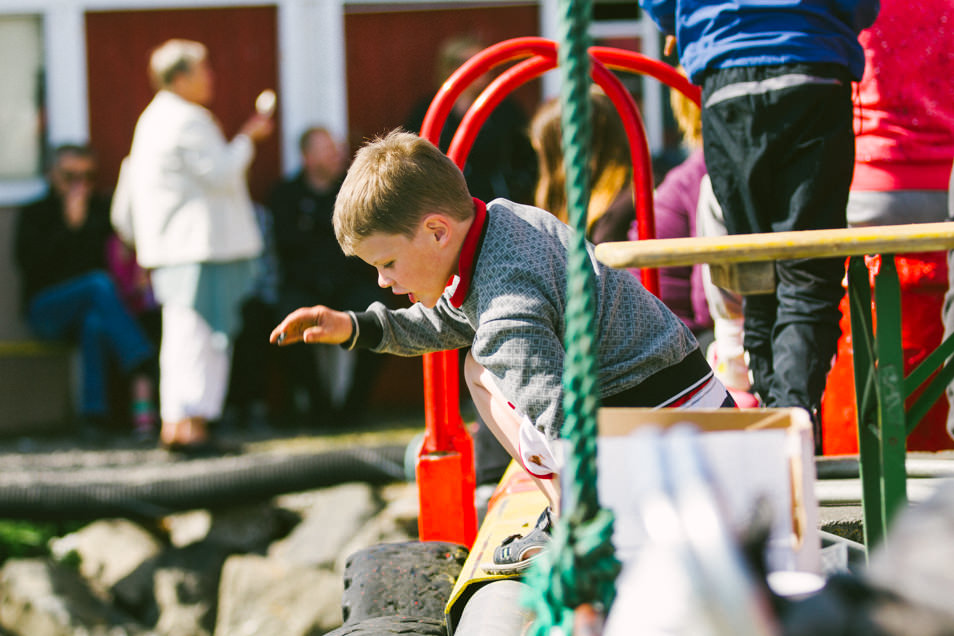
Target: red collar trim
(468, 253)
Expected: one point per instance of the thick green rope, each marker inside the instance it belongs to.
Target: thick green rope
(579, 566)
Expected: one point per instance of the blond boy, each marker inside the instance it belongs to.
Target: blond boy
(493, 277)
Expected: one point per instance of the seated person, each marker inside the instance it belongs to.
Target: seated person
(67, 293)
(312, 269)
(493, 277)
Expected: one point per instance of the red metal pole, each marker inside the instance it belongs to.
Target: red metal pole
(638, 63)
(445, 464)
(445, 469)
(544, 59)
(639, 155)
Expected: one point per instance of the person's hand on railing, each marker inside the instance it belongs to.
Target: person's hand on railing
(670, 45)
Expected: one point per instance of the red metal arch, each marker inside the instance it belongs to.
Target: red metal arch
(445, 463)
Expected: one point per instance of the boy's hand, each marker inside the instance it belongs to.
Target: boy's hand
(318, 324)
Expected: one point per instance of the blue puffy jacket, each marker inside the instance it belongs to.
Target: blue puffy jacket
(718, 34)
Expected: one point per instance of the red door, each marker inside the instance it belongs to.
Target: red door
(391, 57)
(242, 45)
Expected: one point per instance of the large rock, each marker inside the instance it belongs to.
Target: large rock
(117, 556)
(396, 523)
(266, 597)
(240, 529)
(328, 525)
(41, 598)
(185, 586)
(173, 580)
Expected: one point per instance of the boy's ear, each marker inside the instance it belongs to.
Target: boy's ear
(438, 226)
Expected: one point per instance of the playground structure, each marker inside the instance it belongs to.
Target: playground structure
(881, 385)
(883, 421)
(446, 456)
(444, 468)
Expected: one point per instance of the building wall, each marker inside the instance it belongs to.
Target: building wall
(11, 325)
(383, 89)
(355, 66)
(243, 53)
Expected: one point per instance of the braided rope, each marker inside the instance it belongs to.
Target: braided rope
(580, 565)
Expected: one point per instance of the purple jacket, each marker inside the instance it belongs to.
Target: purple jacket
(675, 212)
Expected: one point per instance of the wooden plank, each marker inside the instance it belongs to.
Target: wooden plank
(742, 248)
(514, 509)
(29, 348)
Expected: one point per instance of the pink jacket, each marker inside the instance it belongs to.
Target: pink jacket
(904, 110)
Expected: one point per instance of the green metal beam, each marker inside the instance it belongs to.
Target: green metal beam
(892, 415)
(931, 393)
(869, 464)
(928, 365)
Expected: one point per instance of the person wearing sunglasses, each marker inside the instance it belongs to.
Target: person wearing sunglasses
(68, 294)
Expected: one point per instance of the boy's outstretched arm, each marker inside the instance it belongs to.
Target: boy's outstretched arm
(318, 324)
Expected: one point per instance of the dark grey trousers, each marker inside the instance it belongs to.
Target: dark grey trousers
(779, 148)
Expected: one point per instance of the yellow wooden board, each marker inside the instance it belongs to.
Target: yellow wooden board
(514, 509)
(742, 248)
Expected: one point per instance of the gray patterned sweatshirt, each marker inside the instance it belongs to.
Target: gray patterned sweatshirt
(508, 304)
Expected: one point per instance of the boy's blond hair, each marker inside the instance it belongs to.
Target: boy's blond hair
(392, 184)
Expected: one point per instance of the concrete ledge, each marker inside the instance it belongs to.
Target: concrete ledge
(19, 348)
(845, 521)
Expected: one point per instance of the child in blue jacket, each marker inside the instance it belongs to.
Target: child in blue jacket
(779, 147)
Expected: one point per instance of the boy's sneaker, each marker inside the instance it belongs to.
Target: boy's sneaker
(518, 552)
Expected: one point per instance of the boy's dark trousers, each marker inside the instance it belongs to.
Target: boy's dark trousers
(779, 148)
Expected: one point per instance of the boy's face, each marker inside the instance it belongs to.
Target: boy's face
(419, 266)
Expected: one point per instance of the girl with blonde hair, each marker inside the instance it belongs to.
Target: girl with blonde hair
(611, 209)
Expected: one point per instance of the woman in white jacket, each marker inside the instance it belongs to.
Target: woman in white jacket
(182, 201)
